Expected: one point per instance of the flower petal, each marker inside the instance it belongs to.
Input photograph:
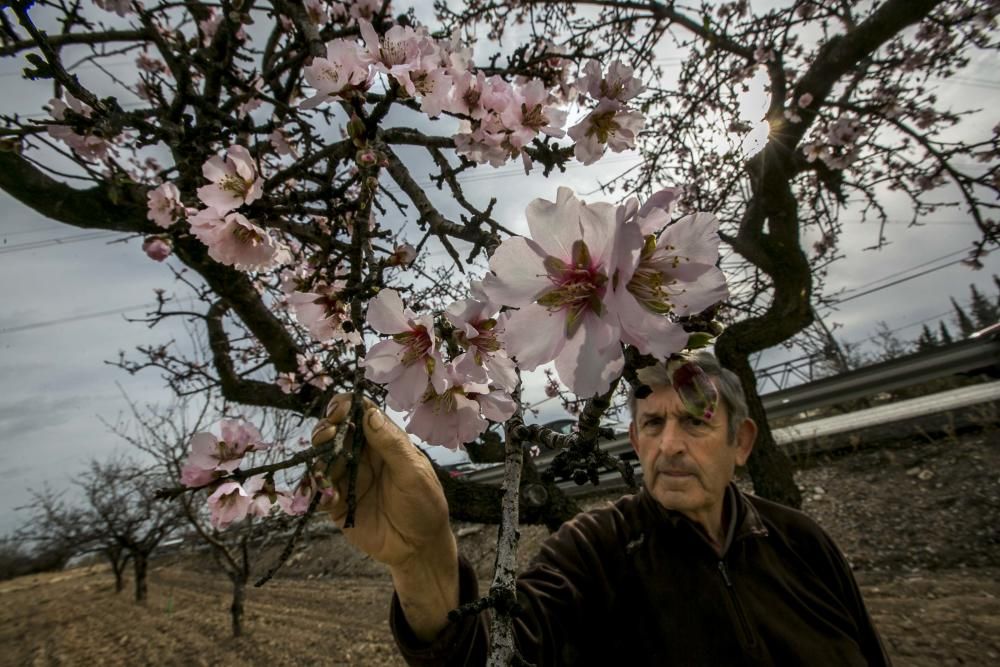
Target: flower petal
(649, 332)
(385, 313)
(519, 275)
(591, 359)
(554, 226)
(534, 336)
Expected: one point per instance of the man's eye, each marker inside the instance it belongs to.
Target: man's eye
(694, 421)
(653, 423)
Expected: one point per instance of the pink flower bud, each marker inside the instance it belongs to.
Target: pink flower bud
(158, 248)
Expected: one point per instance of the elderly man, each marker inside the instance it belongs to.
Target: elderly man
(689, 571)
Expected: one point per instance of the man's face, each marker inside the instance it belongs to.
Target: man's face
(687, 462)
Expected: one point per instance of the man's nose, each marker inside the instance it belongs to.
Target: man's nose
(672, 440)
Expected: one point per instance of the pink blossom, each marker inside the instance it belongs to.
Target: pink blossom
(805, 99)
(157, 248)
(410, 359)
(609, 125)
(234, 180)
(619, 84)
(364, 9)
(209, 452)
(397, 53)
(843, 131)
(234, 240)
(675, 275)
(323, 313)
(560, 280)
(228, 503)
(403, 255)
(151, 65)
(529, 113)
(165, 205)
(477, 327)
(341, 71)
(434, 88)
(459, 414)
(298, 502)
(242, 435)
(260, 501)
(253, 102)
(209, 26)
(194, 477)
(466, 94)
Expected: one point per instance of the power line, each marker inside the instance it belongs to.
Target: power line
(74, 318)
(58, 241)
(35, 230)
(906, 270)
(894, 283)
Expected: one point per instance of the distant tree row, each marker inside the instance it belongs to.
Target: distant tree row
(982, 313)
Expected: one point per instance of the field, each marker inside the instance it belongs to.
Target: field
(920, 522)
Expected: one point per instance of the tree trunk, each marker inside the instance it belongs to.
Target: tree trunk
(118, 558)
(139, 563)
(769, 468)
(118, 568)
(236, 608)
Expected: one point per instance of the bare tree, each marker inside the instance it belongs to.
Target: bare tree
(121, 495)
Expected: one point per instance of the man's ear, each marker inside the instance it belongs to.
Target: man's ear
(632, 437)
(746, 435)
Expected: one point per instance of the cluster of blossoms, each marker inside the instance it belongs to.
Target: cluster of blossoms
(612, 123)
(589, 278)
(316, 302)
(837, 146)
(499, 118)
(213, 458)
(231, 238)
(448, 403)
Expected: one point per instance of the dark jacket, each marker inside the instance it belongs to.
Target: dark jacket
(636, 584)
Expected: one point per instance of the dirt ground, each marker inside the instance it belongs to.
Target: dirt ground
(919, 521)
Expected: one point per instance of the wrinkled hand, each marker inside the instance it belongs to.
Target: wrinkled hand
(401, 509)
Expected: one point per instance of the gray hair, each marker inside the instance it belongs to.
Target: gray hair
(727, 382)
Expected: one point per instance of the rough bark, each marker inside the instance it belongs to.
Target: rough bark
(503, 649)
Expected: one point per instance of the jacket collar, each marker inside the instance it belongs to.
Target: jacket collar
(743, 518)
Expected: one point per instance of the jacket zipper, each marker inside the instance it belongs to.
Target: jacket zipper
(751, 638)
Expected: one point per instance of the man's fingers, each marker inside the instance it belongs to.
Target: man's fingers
(339, 407)
(390, 441)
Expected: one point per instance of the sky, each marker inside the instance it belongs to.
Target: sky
(68, 292)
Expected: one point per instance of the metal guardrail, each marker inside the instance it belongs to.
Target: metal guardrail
(960, 357)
